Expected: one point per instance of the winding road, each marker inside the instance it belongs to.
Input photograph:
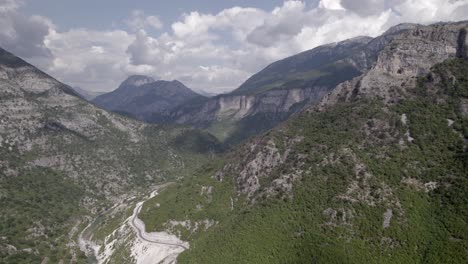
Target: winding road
(138, 225)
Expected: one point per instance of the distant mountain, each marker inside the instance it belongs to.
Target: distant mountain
(88, 95)
(207, 94)
(284, 88)
(326, 65)
(146, 99)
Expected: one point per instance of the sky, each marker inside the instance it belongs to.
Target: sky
(210, 45)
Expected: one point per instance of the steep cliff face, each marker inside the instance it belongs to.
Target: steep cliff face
(237, 107)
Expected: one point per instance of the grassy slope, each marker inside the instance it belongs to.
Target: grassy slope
(426, 227)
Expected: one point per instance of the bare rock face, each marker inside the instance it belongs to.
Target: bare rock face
(414, 52)
(237, 107)
(410, 54)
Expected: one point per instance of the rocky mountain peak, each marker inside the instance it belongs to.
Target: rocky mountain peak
(350, 42)
(137, 80)
(400, 28)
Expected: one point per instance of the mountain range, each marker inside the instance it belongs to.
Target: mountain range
(264, 100)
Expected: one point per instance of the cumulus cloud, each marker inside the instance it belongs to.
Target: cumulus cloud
(89, 58)
(211, 52)
(283, 23)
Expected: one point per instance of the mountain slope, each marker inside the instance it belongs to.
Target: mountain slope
(146, 99)
(64, 160)
(326, 65)
(375, 172)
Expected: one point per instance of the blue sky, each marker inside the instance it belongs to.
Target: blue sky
(210, 45)
(102, 14)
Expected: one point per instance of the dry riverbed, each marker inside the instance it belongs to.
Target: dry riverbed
(144, 247)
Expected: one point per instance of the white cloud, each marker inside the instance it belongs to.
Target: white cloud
(213, 52)
(88, 58)
(430, 10)
(283, 23)
(331, 4)
(138, 20)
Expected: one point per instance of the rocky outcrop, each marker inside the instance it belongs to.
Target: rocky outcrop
(256, 162)
(410, 54)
